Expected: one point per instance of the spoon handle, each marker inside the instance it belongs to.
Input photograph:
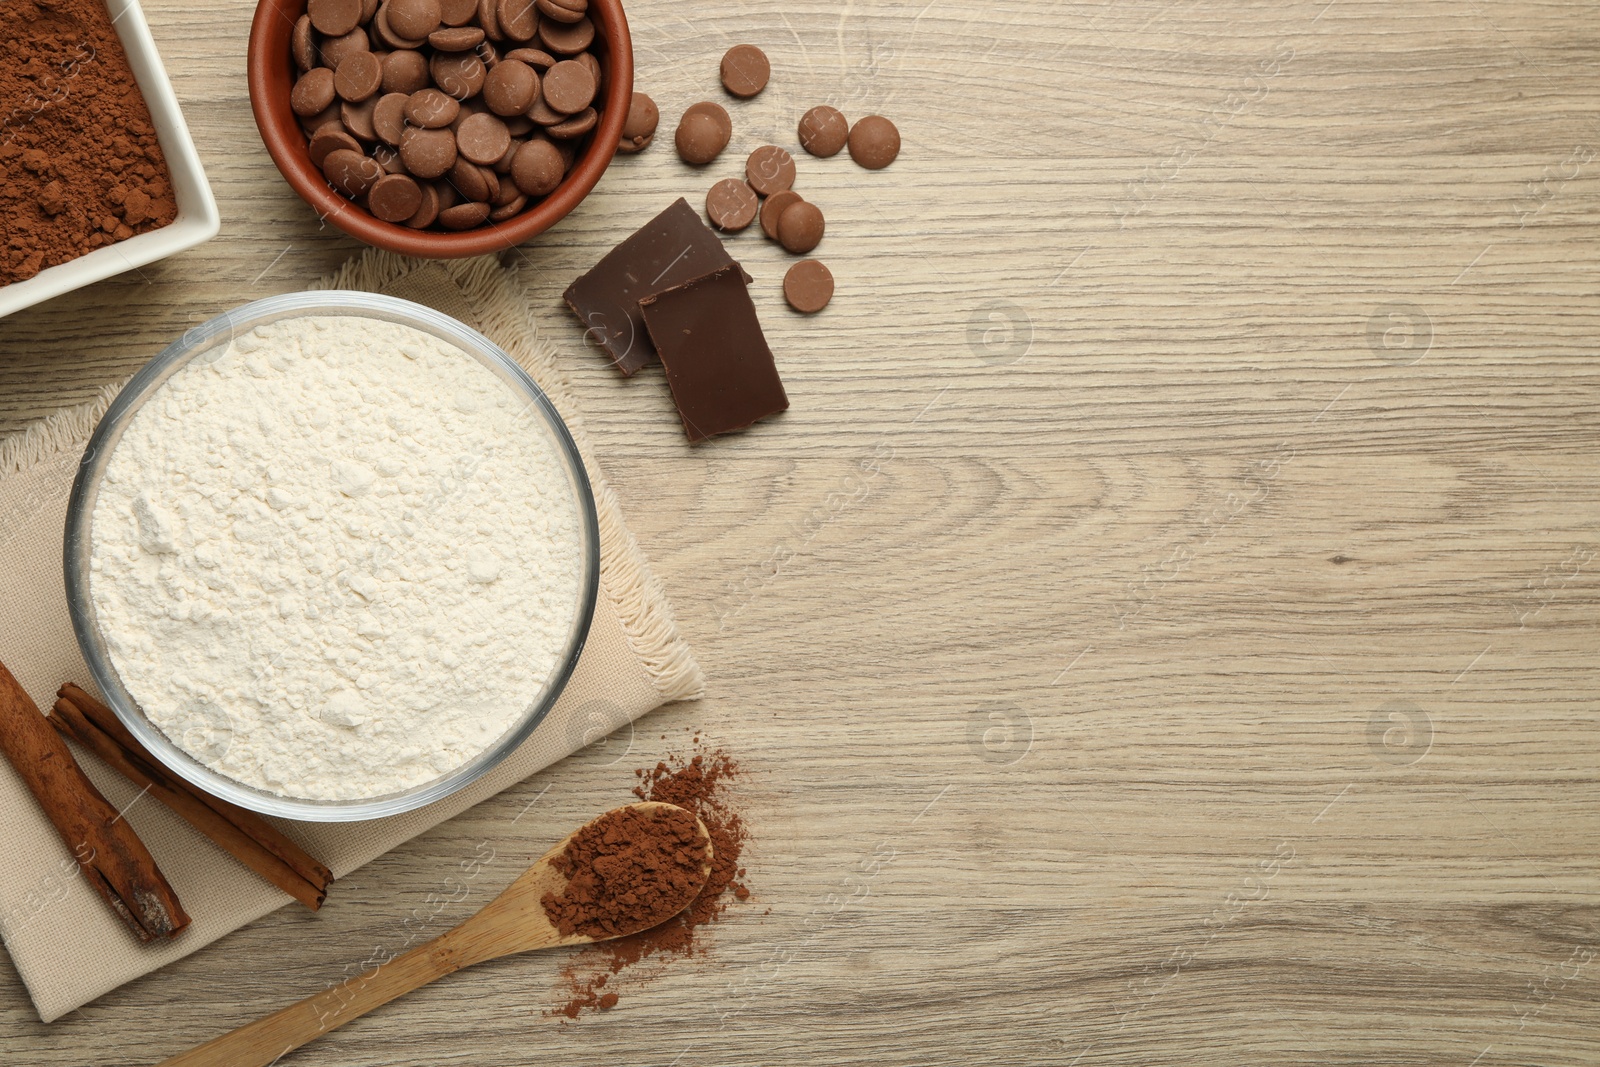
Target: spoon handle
(264, 1041)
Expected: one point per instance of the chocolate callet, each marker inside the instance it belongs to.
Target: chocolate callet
(628, 870)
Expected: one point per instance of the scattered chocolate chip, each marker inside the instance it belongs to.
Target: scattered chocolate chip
(700, 139)
(732, 205)
(745, 70)
(824, 131)
(773, 210)
(874, 142)
(800, 227)
(716, 112)
(808, 286)
(769, 170)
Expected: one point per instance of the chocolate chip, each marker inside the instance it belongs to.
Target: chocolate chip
(510, 209)
(457, 12)
(464, 216)
(414, 19)
(483, 138)
(538, 168)
(456, 38)
(469, 180)
(808, 286)
(639, 128)
(330, 139)
(773, 210)
(700, 139)
(568, 87)
(428, 153)
(732, 205)
(395, 198)
(563, 10)
(716, 112)
(488, 20)
(351, 172)
(333, 115)
(745, 70)
(405, 72)
(334, 17)
(357, 118)
(460, 74)
(589, 60)
(769, 170)
(389, 117)
(385, 32)
(312, 93)
(823, 131)
(358, 77)
(543, 114)
(510, 88)
(800, 227)
(874, 142)
(302, 45)
(518, 19)
(334, 50)
(389, 159)
(574, 125)
(566, 38)
(429, 211)
(536, 58)
(431, 109)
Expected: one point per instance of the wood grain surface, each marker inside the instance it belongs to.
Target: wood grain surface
(1164, 628)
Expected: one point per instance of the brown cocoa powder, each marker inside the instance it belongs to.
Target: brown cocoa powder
(627, 870)
(80, 165)
(702, 784)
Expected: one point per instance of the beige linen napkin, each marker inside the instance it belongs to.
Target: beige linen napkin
(64, 942)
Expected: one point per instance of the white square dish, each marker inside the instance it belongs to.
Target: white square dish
(197, 221)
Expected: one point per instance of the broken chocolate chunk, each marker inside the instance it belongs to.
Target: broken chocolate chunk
(721, 371)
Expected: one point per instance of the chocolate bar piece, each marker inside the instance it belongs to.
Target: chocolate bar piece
(717, 360)
(670, 249)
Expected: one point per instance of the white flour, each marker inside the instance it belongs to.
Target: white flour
(336, 559)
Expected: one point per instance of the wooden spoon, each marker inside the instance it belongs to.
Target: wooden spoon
(511, 923)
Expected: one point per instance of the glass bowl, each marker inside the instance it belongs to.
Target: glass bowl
(204, 338)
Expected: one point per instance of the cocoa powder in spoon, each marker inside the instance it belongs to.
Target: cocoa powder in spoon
(627, 869)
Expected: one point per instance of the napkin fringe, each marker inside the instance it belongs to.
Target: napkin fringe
(635, 590)
(63, 431)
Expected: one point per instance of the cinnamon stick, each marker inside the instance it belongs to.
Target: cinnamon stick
(246, 836)
(109, 853)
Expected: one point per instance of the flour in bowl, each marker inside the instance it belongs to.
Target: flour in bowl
(336, 558)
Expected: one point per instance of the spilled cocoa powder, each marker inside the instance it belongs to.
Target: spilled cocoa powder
(80, 164)
(627, 870)
(701, 783)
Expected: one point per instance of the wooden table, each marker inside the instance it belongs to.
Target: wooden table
(1180, 560)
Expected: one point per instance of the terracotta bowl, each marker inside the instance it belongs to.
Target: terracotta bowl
(271, 75)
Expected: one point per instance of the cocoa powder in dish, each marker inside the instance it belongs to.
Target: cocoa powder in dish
(702, 783)
(80, 165)
(627, 869)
